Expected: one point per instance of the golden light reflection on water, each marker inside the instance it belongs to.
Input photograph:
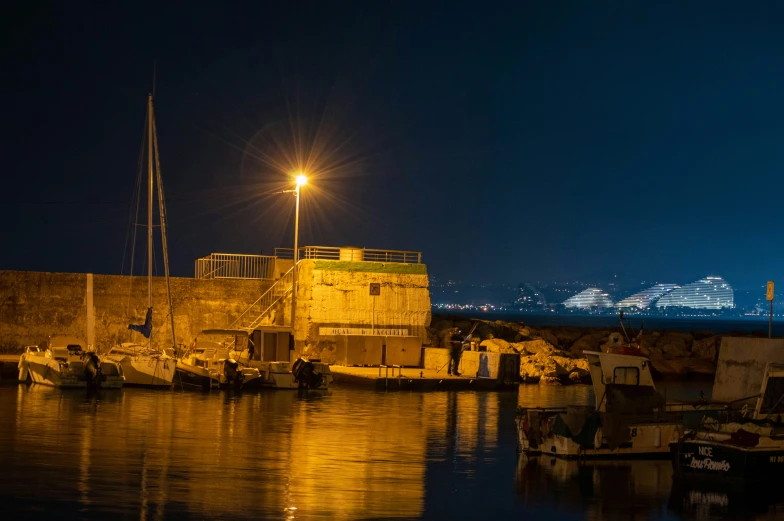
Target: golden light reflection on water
(345, 455)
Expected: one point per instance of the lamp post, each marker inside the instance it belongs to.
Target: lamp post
(301, 181)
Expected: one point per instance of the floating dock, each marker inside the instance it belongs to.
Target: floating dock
(413, 379)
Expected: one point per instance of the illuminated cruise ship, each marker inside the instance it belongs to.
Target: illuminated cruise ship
(643, 299)
(707, 293)
(589, 298)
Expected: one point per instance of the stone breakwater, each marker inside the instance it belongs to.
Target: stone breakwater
(554, 355)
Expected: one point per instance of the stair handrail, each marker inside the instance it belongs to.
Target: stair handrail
(289, 275)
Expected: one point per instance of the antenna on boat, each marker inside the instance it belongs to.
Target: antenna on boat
(623, 328)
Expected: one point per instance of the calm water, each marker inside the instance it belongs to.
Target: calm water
(137, 454)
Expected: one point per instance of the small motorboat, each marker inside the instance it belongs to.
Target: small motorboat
(203, 367)
(303, 373)
(68, 363)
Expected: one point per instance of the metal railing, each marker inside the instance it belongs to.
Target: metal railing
(252, 317)
(351, 254)
(235, 266)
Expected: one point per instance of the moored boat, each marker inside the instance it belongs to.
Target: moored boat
(207, 364)
(745, 444)
(142, 366)
(67, 363)
(303, 373)
(630, 418)
(148, 364)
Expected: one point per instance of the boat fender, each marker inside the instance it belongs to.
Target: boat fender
(657, 436)
(597, 438)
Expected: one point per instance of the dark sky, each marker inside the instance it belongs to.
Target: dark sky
(507, 141)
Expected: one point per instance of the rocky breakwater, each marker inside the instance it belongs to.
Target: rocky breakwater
(554, 355)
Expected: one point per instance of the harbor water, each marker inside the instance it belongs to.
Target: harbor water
(342, 454)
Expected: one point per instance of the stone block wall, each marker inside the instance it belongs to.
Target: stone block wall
(35, 305)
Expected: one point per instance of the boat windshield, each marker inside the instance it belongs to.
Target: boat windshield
(60, 353)
(773, 399)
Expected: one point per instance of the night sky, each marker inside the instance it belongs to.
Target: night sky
(506, 141)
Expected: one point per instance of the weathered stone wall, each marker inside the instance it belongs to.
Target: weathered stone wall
(337, 294)
(35, 305)
(741, 366)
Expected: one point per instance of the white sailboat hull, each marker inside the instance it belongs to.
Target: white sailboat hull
(147, 371)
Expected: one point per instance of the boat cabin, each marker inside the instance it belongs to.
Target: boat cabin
(64, 346)
(619, 378)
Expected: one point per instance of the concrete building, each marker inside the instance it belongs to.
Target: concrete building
(707, 293)
(588, 299)
(644, 299)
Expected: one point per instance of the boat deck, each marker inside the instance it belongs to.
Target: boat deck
(411, 379)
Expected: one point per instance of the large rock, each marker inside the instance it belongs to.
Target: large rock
(533, 347)
(648, 344)
(674, 369)
(509, 331)
(551, 363)
(706, 348)
(497, 345)
(683, 367)
(675, 344)
(549, 337)
(567, 336)
(588, 342)
(702, 334)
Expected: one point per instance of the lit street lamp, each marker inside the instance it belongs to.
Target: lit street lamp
(301, 181)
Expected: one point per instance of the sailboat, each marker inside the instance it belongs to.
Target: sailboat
(141, 362)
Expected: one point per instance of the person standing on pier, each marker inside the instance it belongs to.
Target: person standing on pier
(455, 350)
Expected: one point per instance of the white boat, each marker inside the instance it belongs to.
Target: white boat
(741, 445)
(142, 366)
(207, 364)
(303, 373)
(629, 419)
(68, 363)
(145, 364)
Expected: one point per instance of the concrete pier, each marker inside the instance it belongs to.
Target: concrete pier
(478, 371)
(413, 379)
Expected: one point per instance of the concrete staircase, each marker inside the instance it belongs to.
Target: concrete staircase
(261, 312)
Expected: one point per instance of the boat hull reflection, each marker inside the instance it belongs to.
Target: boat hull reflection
(598, 487)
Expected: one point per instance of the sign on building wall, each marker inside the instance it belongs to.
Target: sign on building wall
(362, 331)
(375, 288)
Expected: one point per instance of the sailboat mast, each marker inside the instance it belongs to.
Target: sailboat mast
(149, 202)
(162, 210)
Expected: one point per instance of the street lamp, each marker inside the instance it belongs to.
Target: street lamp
(301, 181)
